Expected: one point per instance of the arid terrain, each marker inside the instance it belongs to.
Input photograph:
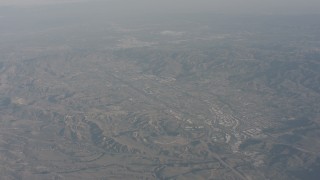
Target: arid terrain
(186, 98)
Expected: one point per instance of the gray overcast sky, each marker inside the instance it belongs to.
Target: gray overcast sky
(215, 6)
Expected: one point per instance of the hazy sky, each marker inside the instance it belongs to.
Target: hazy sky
(33, 2)
(215, 6)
